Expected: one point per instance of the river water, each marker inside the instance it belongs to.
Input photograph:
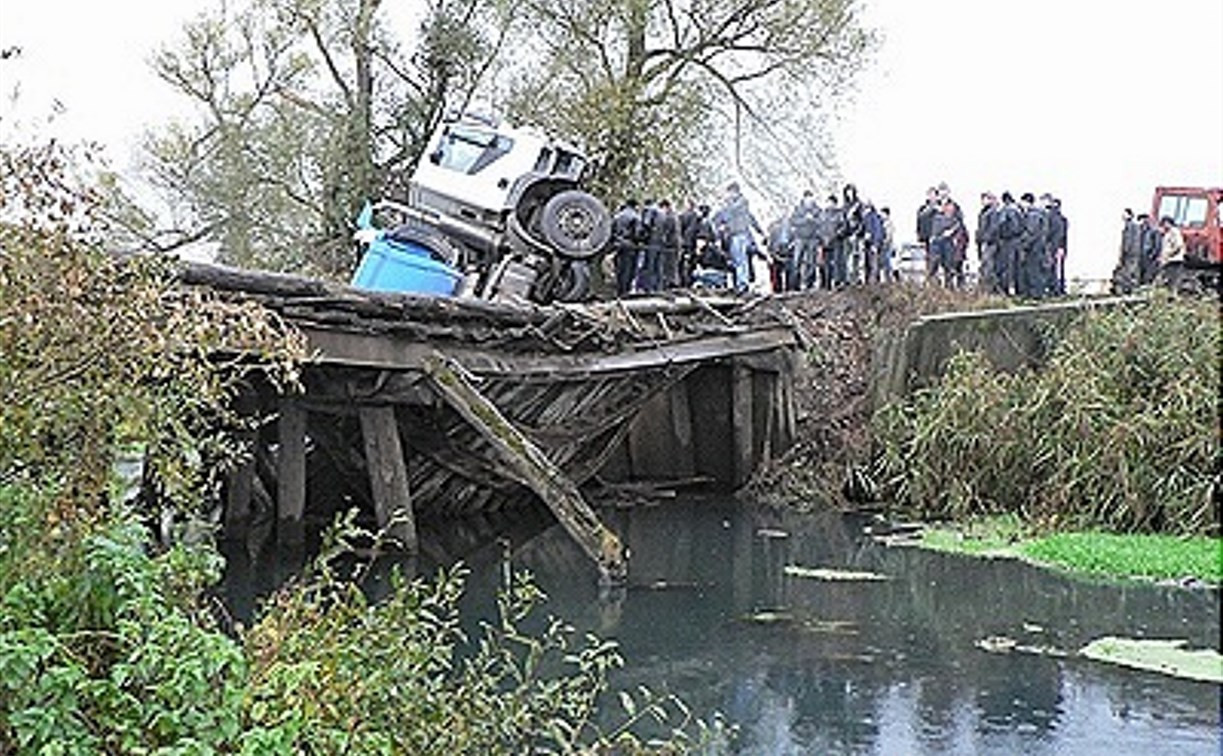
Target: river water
(887, 667)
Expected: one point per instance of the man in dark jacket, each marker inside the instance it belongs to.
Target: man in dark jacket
(658, 265)
(1033, 248)
(1006, 258)
(688, 219)
(626, 225)
(987, 240)
(925, 215)
(832, 231)
(849, 261)
(945, 227)
(1148, 262)
(1126, 274)
(872, 223)
(1055, 274)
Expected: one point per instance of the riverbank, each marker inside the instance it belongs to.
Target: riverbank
(1190, 561)
(1108, 450)
(838, 333)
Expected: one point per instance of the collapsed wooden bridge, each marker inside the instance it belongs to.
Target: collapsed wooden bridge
(433, 407)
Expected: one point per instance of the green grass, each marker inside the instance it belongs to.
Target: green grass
(1150, 556)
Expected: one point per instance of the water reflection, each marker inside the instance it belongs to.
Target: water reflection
(887, 667)
(855, 667)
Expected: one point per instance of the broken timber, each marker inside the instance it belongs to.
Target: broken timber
(556, 490)
(423, 408)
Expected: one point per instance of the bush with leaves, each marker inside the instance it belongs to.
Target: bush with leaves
(1119, 430)
(108, 642)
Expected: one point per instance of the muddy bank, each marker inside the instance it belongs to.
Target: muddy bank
(838, 330)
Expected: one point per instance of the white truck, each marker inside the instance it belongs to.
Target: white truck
(500, 206)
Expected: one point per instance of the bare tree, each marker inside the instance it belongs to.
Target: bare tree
(306, 108)
(666, 92)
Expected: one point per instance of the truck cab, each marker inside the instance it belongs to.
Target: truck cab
(504, 206)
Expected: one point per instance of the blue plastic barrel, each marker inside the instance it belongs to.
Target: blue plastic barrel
(395, 265)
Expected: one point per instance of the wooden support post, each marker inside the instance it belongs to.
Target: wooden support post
(773, 392)
(291, 473)
(789, 424)
(741, 421)
(532, 466)
(681, 429)
(388, 474)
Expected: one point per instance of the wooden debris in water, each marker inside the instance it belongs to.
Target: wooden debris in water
(830, 627)
(769, 617)
(831, 574)
(772, 533)
(1001, 644)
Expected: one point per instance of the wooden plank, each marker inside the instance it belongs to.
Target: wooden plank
(741, 422)
(388, 474)
(556, 490)
(374, 350)
(291, 473)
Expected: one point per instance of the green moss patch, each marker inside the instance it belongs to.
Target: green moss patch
(1152, 556)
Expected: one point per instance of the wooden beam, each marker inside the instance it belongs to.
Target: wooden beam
(291, 473)
(388, 474)
(382, 351)
(557, 491)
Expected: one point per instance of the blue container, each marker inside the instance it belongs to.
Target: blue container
(395, 265)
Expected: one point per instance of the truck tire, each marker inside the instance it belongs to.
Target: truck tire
(575, 224)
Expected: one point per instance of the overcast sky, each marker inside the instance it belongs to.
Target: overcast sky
(1095, 102)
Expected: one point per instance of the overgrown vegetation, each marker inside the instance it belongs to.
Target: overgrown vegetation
(108, 640)
(1118, 431)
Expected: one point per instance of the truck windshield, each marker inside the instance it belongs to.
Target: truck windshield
(469, 150)
(1186, 211)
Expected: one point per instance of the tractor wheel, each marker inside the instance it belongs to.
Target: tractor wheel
(575, 224)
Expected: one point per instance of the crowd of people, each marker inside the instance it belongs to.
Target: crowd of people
(1021, 246)
(845, 240)
(1148, 249)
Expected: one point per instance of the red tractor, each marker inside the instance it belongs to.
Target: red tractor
(1196, 212)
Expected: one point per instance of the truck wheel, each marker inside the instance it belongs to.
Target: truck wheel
(573, 283)
(576, 224)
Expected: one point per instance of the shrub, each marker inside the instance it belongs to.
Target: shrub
(1119, 430)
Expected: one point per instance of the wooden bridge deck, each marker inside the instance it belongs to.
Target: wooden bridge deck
(434, 407)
